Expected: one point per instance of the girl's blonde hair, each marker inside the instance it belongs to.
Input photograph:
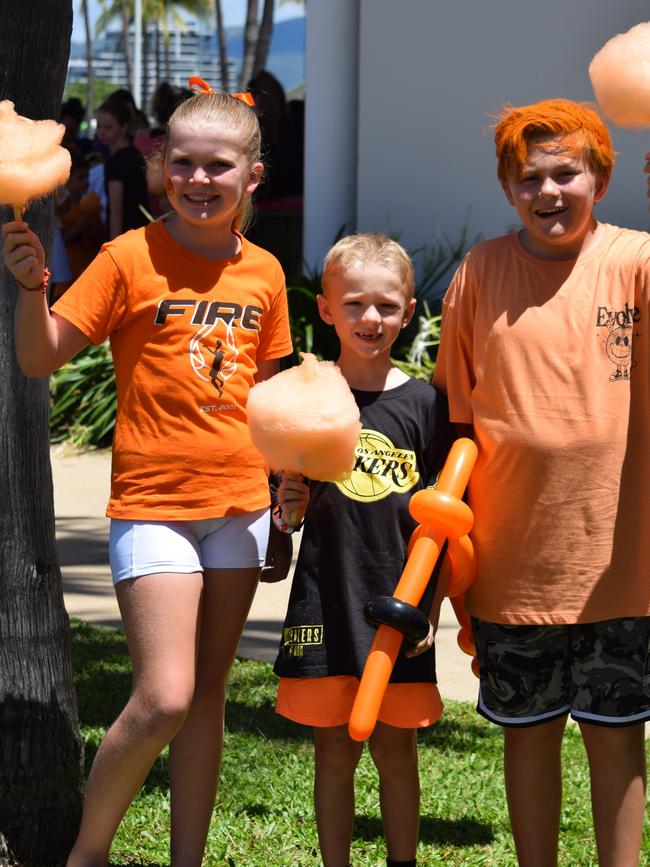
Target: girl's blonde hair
(370, 247)
(213, 109)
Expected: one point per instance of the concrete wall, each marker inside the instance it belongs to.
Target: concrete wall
(331, 123)
(430, 74)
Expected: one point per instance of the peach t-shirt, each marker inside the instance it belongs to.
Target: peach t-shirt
(549, 362)
(186, 333)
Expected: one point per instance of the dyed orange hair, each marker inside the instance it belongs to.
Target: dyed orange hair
(577, 123)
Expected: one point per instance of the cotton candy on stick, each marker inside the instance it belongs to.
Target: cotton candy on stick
(32, 161)
(620, 77)
(305, 420)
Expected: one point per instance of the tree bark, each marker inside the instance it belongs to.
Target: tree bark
(264, 37)
(251, 31)
(40, 746)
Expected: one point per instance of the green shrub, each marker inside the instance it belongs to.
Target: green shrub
(420, 358)
(84, 399)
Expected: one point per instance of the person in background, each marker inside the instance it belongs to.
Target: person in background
(78, 213)
(124, 171)
(281, 140)
(72, 116)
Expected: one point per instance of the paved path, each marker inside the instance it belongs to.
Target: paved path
(81, 486)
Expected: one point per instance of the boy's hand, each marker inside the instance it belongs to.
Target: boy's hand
(23, 254)
(293, 497)
(421, 646)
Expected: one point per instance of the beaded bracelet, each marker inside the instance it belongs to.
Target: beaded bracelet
(42, 287)
(280, 523)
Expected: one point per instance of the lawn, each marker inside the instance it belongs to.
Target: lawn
(264, 815)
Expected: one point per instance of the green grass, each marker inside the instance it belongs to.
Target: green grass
(264, 816)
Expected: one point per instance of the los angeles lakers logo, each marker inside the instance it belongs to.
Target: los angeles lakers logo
(379, 469)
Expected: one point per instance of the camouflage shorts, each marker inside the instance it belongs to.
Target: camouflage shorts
(597, 672)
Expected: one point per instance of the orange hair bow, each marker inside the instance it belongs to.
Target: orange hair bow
(197, 85)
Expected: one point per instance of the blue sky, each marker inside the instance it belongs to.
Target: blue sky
(233, 13)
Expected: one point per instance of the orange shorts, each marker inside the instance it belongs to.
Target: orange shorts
(327, 701)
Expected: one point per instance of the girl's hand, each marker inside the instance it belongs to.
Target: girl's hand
(23, 254)
(293, 497)
(422, 646)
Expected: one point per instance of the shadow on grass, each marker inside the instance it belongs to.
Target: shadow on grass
(441, 832)
(103, 682)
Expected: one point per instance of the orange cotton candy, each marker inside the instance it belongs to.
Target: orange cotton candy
(32, 163)
(305, 420)
(620, 77)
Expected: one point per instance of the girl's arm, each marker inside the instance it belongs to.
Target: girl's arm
(44, 341)
(116, 208)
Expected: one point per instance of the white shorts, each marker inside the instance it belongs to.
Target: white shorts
(138, 548)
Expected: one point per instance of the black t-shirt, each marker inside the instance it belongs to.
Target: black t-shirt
(127, 165)
(356, 533)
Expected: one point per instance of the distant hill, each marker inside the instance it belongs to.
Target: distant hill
(288, 38)
(286, 54)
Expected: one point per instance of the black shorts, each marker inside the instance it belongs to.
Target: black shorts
(597, 672)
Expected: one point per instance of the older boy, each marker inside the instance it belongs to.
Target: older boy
(544, 355)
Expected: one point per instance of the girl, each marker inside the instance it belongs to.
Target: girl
(195, 314)
(124, 172)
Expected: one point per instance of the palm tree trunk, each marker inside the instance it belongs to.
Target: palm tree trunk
(223, 47)
(251, 31)
(40, 748)
(157, 53)
(127, 45)
(168, 66)
(264, 38)
(89, 63)
(146, 51)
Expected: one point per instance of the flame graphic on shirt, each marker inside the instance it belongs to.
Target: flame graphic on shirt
(214, 365)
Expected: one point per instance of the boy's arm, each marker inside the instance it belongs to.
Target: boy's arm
(44, 341)
(434, 614)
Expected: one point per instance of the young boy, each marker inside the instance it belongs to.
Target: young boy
(354, 547)
(544, 355)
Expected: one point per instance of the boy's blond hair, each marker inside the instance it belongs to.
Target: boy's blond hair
(369, 247)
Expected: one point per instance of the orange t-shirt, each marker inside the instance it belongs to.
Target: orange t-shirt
(186, 333)
(549, 362)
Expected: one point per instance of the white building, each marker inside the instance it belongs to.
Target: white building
(400, 96)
